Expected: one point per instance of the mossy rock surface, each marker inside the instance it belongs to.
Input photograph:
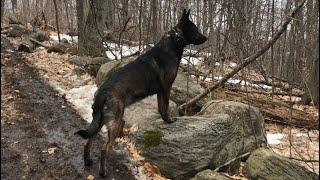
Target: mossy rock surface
(152, 138)
(265, 164)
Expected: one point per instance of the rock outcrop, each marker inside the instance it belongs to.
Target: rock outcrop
(194, 143)
(265, 164)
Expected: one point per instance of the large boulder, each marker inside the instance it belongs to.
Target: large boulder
(209, 175)
(89, 64)
(191, 144)
(110, 67)
(180, 95)
(237, 110)
(146, 110)
(17, 30)
(265, 164)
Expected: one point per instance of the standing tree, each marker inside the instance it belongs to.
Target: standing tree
(91, 23)
(57, 18)
(2, 8)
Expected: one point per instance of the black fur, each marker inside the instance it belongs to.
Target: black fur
(151, 73)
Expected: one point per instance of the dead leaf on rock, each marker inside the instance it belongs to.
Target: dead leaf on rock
(52, 150)
(90, 177)
(134, 128)
(10, 123)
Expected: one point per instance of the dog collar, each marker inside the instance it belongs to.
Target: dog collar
(177, 36)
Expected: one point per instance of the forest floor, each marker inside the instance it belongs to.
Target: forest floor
(35, 84)
(37, 128)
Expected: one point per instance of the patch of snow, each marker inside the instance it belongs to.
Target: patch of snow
(116, 51)
(261, 86)
(274, 138)
(301, 135)
(193, 60)
(232, 64)
(55, 37)
(82, 99)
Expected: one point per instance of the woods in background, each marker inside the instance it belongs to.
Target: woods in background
(236, 29)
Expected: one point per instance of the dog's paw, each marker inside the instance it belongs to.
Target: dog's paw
(88, 162)
(171, 120)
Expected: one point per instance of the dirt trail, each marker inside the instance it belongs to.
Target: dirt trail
(37, 127)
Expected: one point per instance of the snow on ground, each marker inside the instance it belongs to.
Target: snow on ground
(193, 60)
(82, 99)
(55, 37)
(116, 51)
(232, 64)
(235, 81)
(274, 138)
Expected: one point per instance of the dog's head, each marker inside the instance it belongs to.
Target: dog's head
(189, 30)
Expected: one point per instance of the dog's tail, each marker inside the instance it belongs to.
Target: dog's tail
(96, 123)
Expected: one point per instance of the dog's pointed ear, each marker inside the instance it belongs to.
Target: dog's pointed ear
(184, 12)
(188, 13)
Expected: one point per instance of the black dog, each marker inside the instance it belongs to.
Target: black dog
(151, 73)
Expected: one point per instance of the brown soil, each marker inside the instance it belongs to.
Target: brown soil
(37, 129)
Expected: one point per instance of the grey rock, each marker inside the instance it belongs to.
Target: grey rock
(180, 95)
(191, 144)
(265, 164)
(110, 67)
(89, 64)
(146, 110)
(209, 175)
(249, 115)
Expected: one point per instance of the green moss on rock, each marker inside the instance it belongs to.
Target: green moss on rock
(152, 138)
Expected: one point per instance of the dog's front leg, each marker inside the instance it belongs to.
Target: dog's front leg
(163, 105)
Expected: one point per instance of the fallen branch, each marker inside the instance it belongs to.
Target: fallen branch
(273, 110)
(246, 61)
(232, 160)
(265, 93)
(39, 43)
(305, 160)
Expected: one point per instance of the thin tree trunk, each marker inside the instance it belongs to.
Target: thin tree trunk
(57, 18)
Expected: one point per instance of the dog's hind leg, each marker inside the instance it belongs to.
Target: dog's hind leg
(114, 122)
(121, 128)
(86, 153)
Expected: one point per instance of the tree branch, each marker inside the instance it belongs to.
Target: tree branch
(246, 61)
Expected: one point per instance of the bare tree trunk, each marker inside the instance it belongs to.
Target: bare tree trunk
(67, 14)
(2, 9)
(14, 7)
(154, 7)
(90, 28)
(57, 18)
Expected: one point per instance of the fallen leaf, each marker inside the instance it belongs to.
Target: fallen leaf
(90, 177)
(10, 123)
(134, 128)
(51, 150)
